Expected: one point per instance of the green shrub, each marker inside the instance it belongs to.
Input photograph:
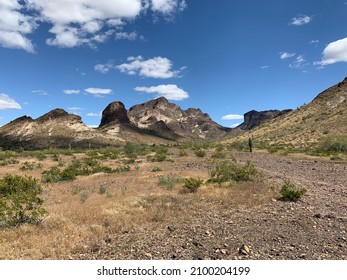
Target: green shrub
(200, 152)
(30, 166)
(229, 171)
(334, 144)
(83, 197)
(20, 201)
(191, 185)
(102, 189)
(289, 192)
(156, 169)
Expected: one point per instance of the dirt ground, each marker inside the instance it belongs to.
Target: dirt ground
(139, 219)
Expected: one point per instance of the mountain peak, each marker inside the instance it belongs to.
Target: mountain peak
(115, 112)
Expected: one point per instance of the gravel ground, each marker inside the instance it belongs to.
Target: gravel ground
(312, 228)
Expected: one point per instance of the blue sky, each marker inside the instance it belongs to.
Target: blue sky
(225, 57)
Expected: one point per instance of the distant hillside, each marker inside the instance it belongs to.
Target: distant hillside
(154, 122)
(325, 116)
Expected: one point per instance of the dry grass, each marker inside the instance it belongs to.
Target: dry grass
(132, 200)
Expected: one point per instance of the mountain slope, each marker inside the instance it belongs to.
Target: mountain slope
(304, 127)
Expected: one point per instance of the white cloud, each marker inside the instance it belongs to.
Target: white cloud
(299, 62)
(74, 22)
(168, 6)
(40, 92)
(126, 36)
(104, 68)
(157, 67)
(264, 67)
(313, 42)
(94, 114)
(301, 20)
(285, 55)
(232, 117)
(15, 26)
(8, 103)
(71, 91)
(171, 92)
(98, 92)
(334, 52)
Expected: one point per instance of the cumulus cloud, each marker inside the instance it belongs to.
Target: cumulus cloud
(8, 103)
(168, 6)
(301, 20)
(157, 67)
(71, 91)
(335, 52)
(74, 23)
(171, 92)
(98, 92)
(15, 26)
(285, 55)
(232, 117)
(104, 68)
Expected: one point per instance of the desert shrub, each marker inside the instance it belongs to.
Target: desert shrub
(334, 144)
(102, 189)
(289, 192)
(219, 147)
(238, 145)
(30, 166)
(77, 168)
(191, 185)
(8, 161)
(161, 154)
(156, 169)
(218, 155)
(182, 152)
(169, 181)
(84, 196)
(229, 171)
(200, 152)
(20, 201)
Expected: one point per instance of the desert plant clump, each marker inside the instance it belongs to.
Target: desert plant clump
(230, 172)
(192, 185)
(30, 166)
(169, 181)
(290, 192)
(200, 152)
(20, 201)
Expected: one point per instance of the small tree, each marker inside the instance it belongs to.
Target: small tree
(20, 201)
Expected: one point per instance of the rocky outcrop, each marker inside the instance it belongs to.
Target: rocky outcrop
(164, 116)
(254, 118)
(115, 112)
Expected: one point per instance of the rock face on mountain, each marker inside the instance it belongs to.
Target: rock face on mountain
(254, 118)
(114, 112)
(56, 129)
(323, 118)
(162, 115)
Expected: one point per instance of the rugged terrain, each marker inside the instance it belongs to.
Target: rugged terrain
(144, 216)
(306, 126)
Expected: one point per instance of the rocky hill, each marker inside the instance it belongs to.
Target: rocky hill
(156, 121)
(325, 116)
(254, 118)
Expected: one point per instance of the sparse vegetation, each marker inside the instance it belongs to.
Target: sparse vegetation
(227, 171)
(169, 181)
(192, 185)
(200, 152)
(290, 192)
(20, 200)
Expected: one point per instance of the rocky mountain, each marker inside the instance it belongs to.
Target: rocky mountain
(325, 116)
(254, 118)
(155, 121)
(163, 116)
(57, 128)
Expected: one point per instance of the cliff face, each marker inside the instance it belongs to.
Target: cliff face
(115, 112)
(254, 118)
